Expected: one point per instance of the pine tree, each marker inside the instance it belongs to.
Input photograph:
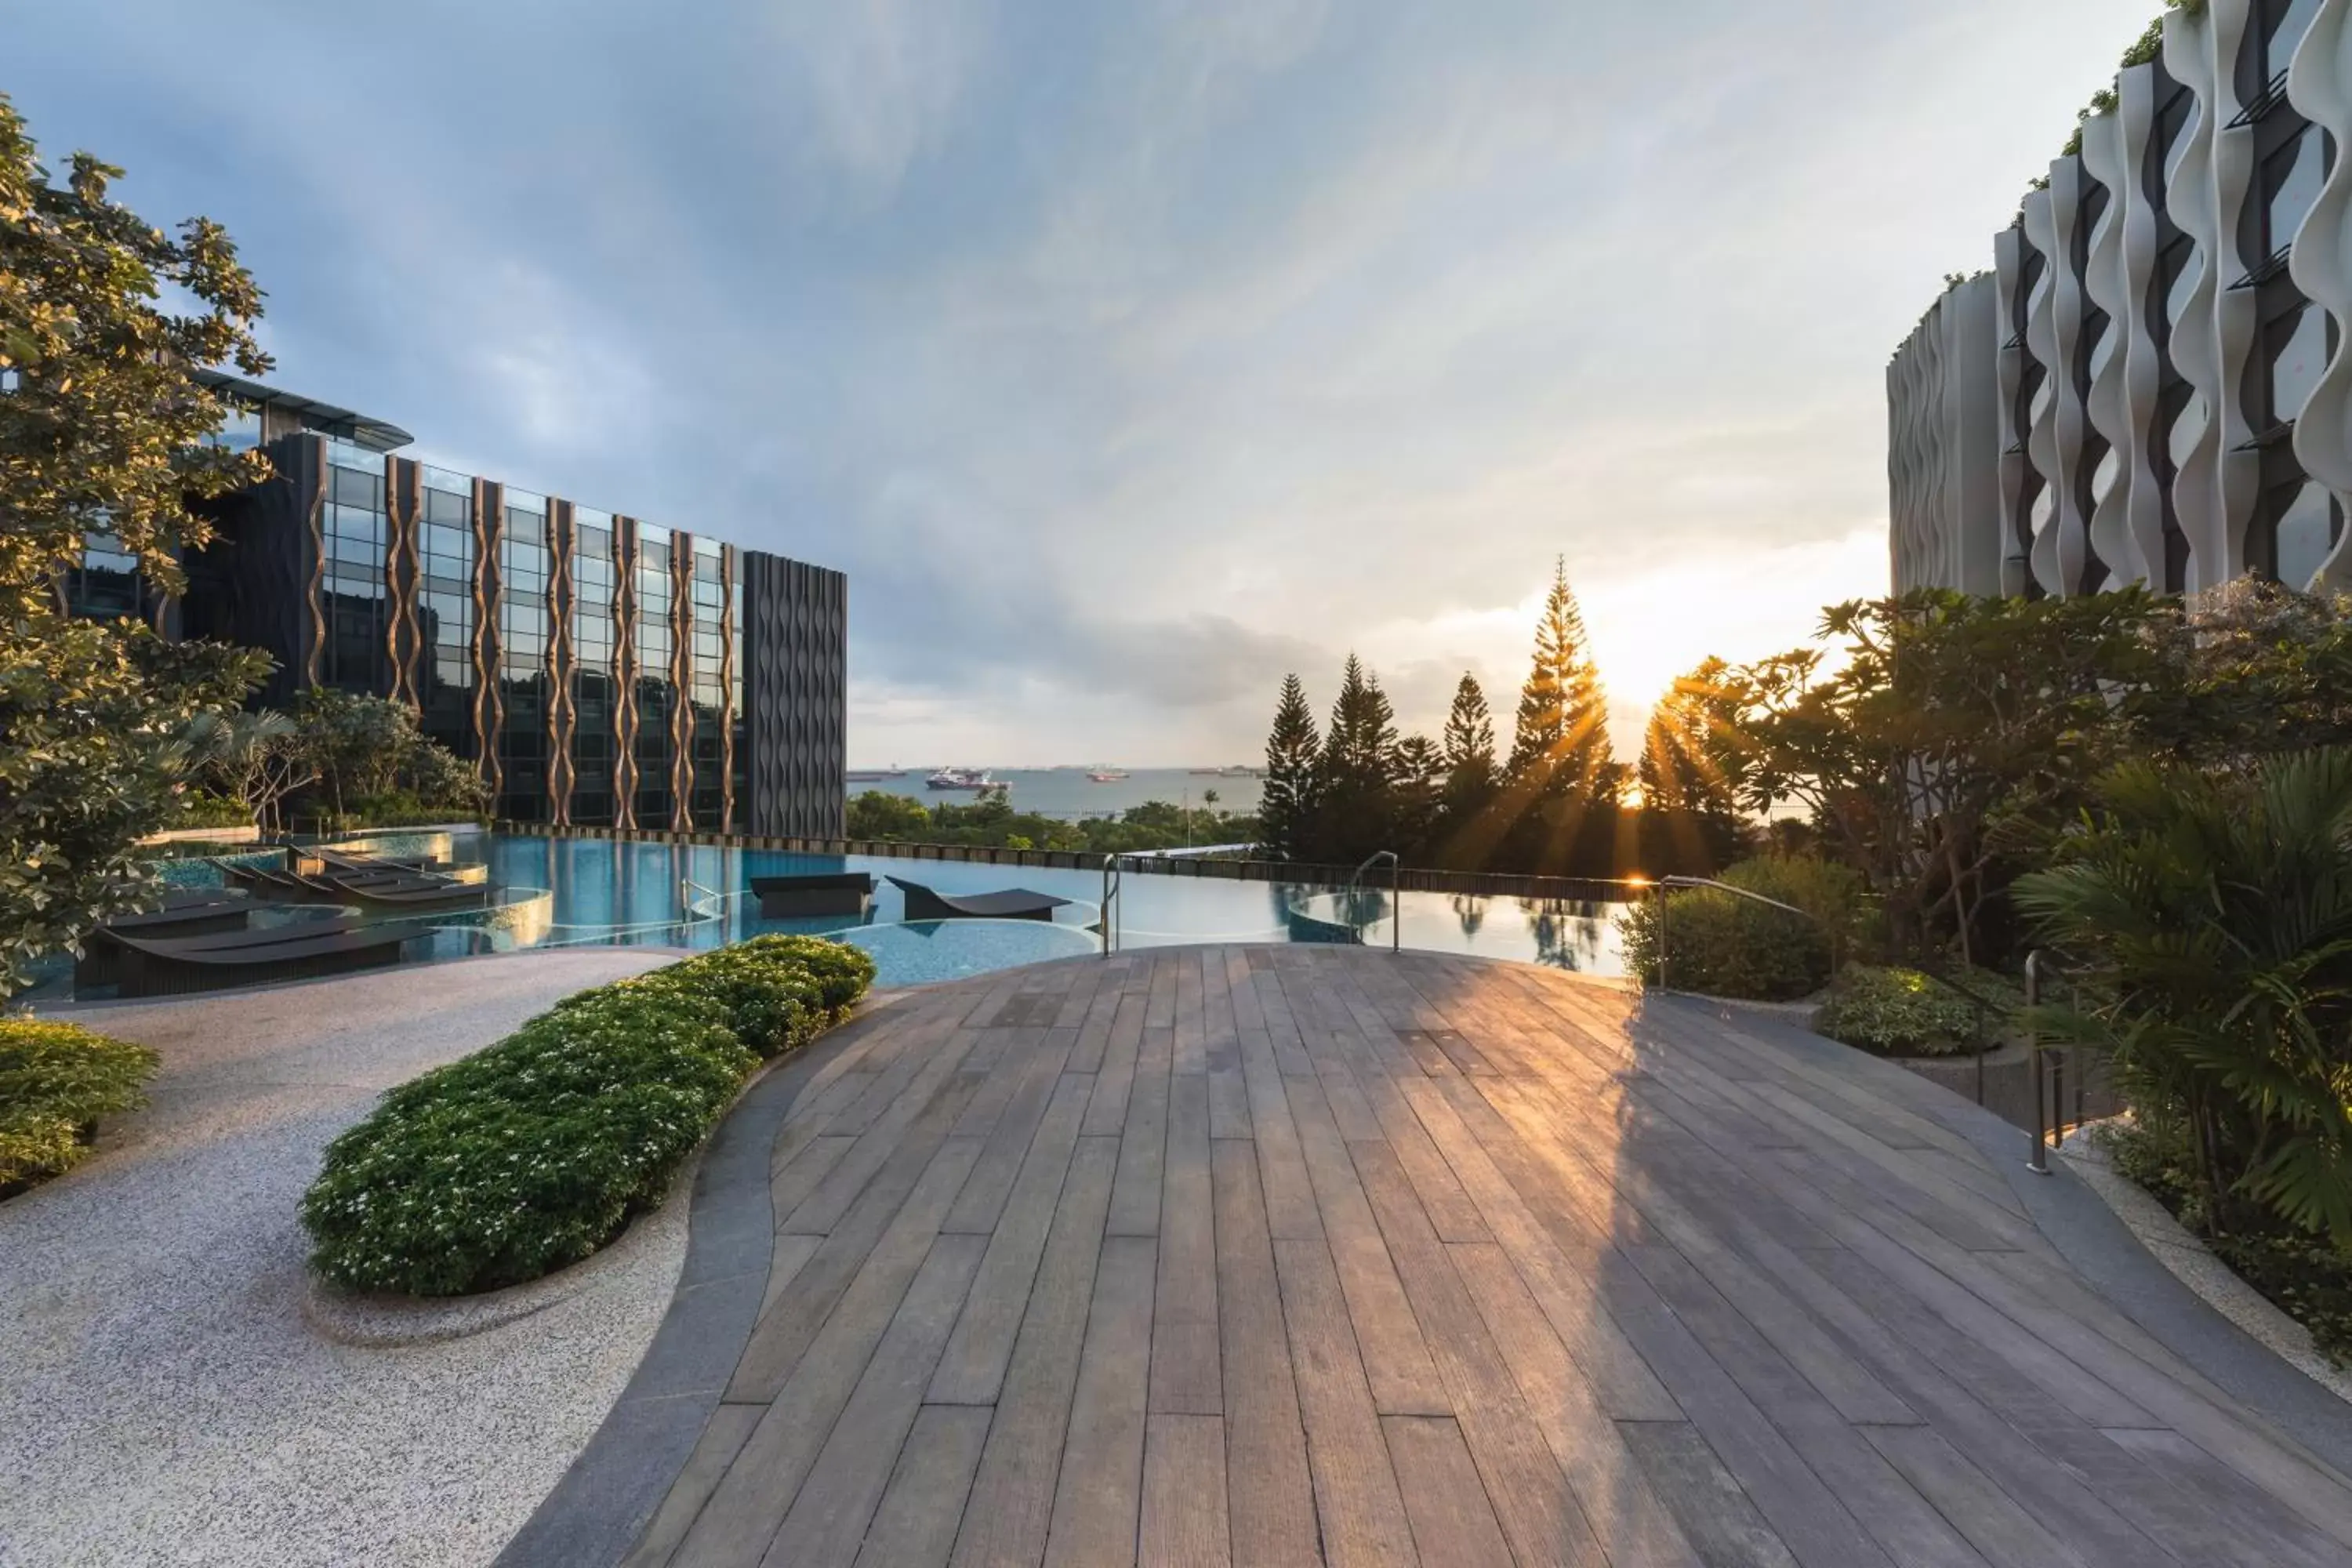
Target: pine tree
(1469, 744)
(1358, 806)
(1690, 812)
(1418, 792)
(1293, 768)
(1560, 749)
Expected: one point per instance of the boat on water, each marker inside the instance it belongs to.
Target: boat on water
(875, 776)
(1106, 776)
(1239, 770)
(960, 778)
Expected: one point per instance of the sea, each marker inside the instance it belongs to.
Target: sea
(1068, 794)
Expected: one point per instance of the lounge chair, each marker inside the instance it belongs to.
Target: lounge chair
(155, 967)
(183, 915)
(1013, 904)
(822, 893)
(412, 892)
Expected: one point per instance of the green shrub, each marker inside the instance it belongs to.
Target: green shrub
(55, 1081)
(1723, 945)
(535, 1152)
(1898, 1012)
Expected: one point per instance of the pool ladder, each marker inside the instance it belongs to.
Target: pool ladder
(1396, 894)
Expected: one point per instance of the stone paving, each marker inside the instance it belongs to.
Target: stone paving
(162, 1398)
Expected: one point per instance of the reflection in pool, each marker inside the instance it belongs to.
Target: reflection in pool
(597, 891)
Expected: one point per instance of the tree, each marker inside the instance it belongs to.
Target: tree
(2214, 910)
(101, 427)
(1358, 808)
(101, 432)
(94, 749)
(1417, 797)
(257, 758)
(1560, 746)
(879, 814)
(1690, 809)
(1292, 774)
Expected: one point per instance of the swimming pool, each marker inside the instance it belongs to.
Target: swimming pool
(574, 891)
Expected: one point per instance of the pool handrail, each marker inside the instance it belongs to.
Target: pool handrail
(1114, 875)
(1396, 892)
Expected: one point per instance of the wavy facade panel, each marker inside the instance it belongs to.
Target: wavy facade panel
(2169, 389)
(1943, 443)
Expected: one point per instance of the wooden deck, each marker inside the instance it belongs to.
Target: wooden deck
(1299, 1254)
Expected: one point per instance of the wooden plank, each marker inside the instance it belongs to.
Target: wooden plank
(971, 1368)
(1356, 1495)
(1533, 1499)
(1023, 1062)
(1099, 1494)
(1720, 1522)
(1010, 1507)
(1977, 1507)
(1625, 1513)
(919, 1104)
(829, 1517)
(1185, 1379)
(751, 1502)
(915, 1527)
(1290, 1207)
(789, 1187)
(982, 1199)
(1271, 1503)
(1108, 1114)
(713, 1453)
(1189, 1032)
(1453, 1522)
(790, 1255)
(1093, 1029)
(2218, 1515)
(1185, 1523)
(1143, 1146)
(792, 1320)
(1229, 1105)
(1403, 1380)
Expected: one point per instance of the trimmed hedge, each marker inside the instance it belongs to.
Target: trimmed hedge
(55, 1081)
(531, 1155)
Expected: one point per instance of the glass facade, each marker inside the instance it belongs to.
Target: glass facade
(106, 585)
(656, 692)
(357, 654)
(445, 563)
(523, 636)
(742, 734)
(706, 689)
(593, 695)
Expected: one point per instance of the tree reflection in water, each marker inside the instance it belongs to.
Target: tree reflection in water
(1567, 932)
(1470, 911)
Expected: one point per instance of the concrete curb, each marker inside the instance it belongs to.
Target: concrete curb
(2193, 1263)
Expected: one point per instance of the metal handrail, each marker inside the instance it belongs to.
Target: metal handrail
(713, 894)
(1114, 873)
(1396, 892)
(2050, 1119)
(1664, 883)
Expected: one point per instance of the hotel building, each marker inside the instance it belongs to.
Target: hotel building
(2147, 386)
(599, 669)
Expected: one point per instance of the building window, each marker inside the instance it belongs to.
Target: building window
(2303, 530)
(446, 562)
(352, 533)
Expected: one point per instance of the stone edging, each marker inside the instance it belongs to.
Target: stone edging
(2193, 1263)
(384, 1322)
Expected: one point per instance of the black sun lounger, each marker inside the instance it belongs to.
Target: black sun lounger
(1013, 904)
(820, 893)
(408, 893)
(181, 916)
(300, 951)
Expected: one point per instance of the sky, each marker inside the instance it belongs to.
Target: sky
(1128, 356)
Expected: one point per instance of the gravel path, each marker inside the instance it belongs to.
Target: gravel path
(162, 1399)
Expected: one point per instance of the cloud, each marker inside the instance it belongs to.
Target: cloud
(1128, 356)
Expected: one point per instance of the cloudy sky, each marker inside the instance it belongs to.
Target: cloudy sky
(1126, 356)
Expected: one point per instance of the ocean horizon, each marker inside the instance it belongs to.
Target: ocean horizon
(1067, 792)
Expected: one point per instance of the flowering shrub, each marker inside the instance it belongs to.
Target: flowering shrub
(528, 1156)
(1901, 1013)
(55, 1081)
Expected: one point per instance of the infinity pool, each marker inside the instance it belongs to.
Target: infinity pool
(571, 891)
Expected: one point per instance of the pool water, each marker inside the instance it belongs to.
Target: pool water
(574, 891)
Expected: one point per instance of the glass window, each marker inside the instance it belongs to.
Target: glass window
(2303, 533)
(2293, 176)
(2300, 358)
(240, 427)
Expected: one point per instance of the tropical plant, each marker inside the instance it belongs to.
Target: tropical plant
(94, 754)
(2212, 912)
(1896, 1012)
(55, 1081)
(257, 758)
(1720, 945)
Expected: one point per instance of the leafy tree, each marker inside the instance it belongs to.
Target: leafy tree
(257, 758)
(1690, 809)
(94, 749)
(1959, 736)
(102, 431)
(101, 427)
(2215, 912)
(1293, 776)
(879, 814)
